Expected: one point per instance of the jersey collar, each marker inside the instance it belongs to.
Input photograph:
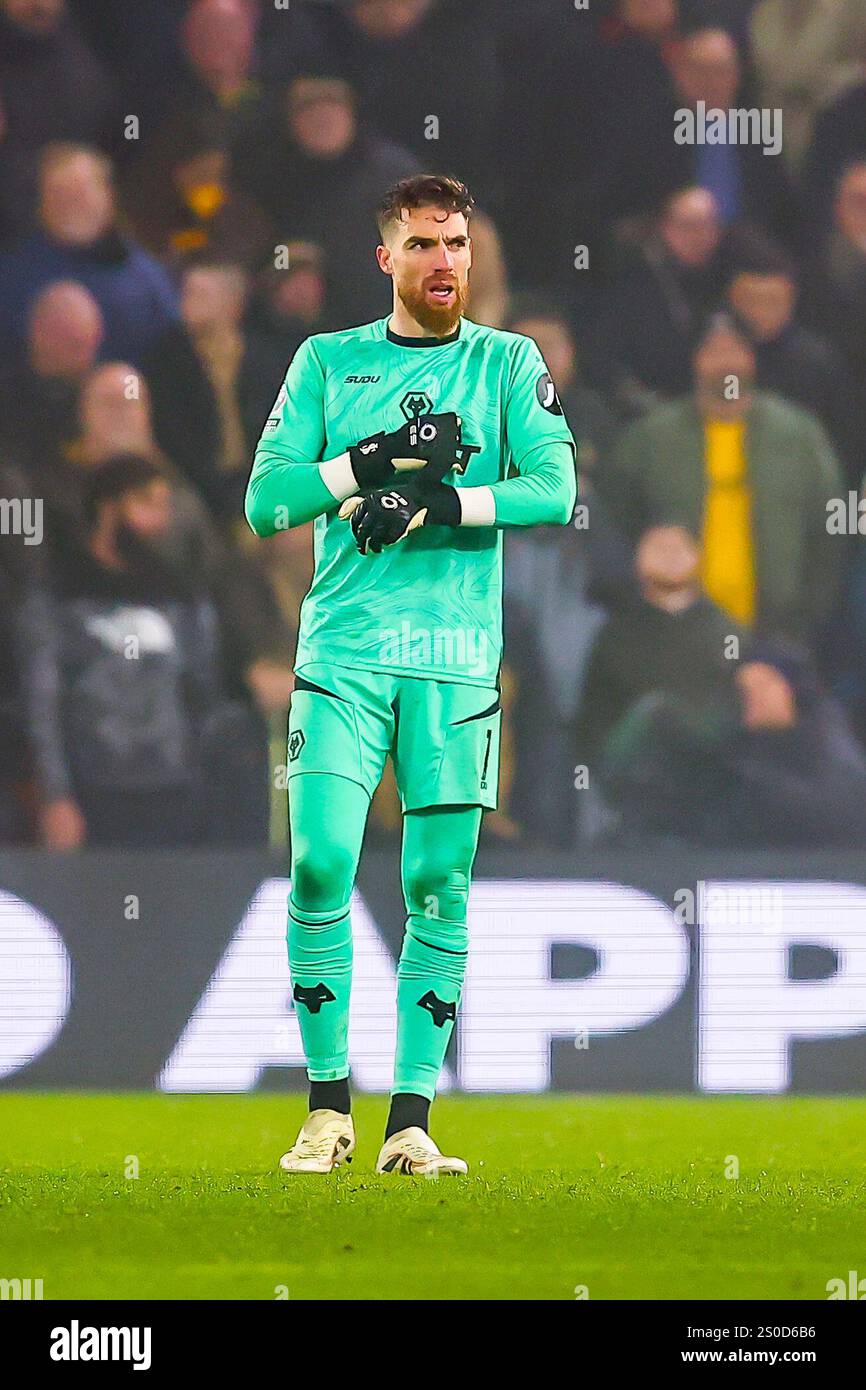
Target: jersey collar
(421, 342)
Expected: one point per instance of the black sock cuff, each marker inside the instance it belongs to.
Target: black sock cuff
(407, 1109)
(331, 1095)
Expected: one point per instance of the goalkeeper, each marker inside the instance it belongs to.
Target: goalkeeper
(413, 442)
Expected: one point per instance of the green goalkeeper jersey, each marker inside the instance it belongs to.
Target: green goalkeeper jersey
(430, 606)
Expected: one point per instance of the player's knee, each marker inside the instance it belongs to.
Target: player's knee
(322, 877)
(436, 892)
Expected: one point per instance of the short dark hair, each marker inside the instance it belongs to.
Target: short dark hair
(421, 191)
(752, 253)
(526, 304)
(118, 475)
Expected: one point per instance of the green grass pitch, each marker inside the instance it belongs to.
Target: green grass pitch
(625, 1196)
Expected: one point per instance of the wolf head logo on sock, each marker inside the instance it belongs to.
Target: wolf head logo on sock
(314, 997)
(438, 1008)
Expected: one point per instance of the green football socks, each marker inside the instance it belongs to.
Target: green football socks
(328, 815)
(438, 851)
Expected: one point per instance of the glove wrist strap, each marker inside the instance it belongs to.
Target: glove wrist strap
(443, 506)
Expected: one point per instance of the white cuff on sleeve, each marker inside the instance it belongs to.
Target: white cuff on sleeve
(477, 506)
(338, 477)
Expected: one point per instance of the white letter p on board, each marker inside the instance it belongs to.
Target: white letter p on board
(512, 1009)
(750, 1008)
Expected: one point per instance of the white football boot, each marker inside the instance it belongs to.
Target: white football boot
(326, 1140)
(413, 1151)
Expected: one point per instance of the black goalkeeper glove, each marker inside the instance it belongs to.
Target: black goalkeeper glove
(432, 442)
(387, 515)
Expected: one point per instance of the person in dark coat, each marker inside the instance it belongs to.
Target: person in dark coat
(657, 304)
(838, 141)
(39, 389)
(791, 359)
(286, 306)
(124, 683)
(700, 735)
(403, 61)
(319, 176)
(834, 291)
(664, 637)
(591, 159)
(799, 773)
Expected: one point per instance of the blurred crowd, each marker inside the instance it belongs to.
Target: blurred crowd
(186, 192)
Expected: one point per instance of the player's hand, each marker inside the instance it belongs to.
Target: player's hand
(432, 442)
(388, 514)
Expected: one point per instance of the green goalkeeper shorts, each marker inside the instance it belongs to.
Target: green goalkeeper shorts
(443, 737)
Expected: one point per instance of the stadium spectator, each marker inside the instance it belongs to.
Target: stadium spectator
(53, 88)
(559, 582)
(285, 307)
(196, 374)
(148, 46)
(654, 309)
(176, 190)
(845, 657)
(839, 140)
(382, 48)
(488, 288)
(79, 239)
(748, 184)
(748, 472)
(124, 678)
(287, 560)
(557, 591)
(592, 161)
(798, 773)
(657, 692)
(39, 389)
(178, 199)
(140, 43)
(115, 418)
(311, 167)
(589, 418)
(835, 290)
(791, 360)
(218, 40)
(804, 55)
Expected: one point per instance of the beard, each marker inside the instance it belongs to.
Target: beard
(439, 319)
(148, 560)
(137, 553)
